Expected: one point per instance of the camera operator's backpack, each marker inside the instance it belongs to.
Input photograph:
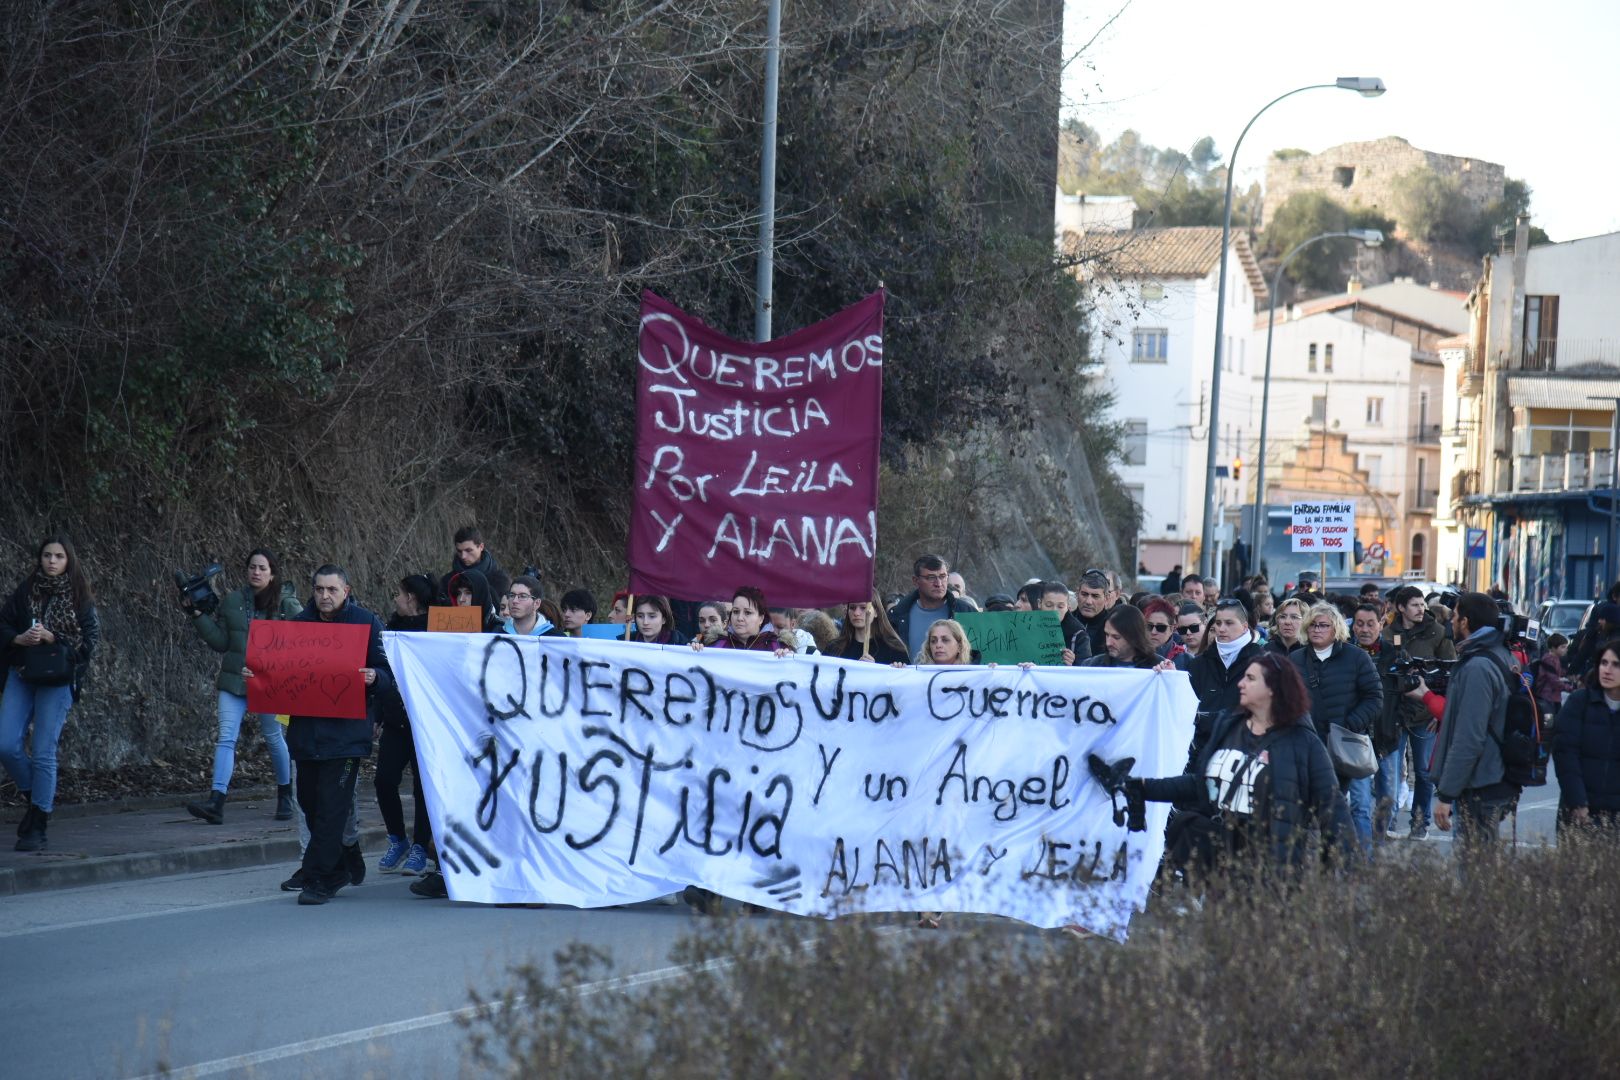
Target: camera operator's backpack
(1524, 753)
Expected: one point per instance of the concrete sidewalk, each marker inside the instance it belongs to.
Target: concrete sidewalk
(92, 844)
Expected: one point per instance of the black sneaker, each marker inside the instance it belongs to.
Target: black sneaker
(1420, 831)
(314, 894)
(294, 883)
(430, 885)
(354, 860)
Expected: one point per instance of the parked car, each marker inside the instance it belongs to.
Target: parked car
(1562, 616)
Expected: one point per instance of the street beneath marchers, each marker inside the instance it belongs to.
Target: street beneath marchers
(221, 974)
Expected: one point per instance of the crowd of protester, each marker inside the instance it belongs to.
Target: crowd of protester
(1281, 678)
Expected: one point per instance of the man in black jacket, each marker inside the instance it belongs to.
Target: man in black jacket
(471, 554)
(328, 750)
(1095, 600)
(927, 603)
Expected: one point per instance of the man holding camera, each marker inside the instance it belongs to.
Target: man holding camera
(1415, 635)
(1468, 767)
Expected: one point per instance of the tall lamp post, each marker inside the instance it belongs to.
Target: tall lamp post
(1366, 86)
(1612, 552)
(1369, 237)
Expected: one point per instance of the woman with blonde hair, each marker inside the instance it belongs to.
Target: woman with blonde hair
(1288, 626)
(1345, 689)
(947, 643)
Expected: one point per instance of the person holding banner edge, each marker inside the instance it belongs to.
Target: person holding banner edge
(1261, 781)
(747, 629)
(328, 750)
(265, 596)
(867, 635)
(396, 748)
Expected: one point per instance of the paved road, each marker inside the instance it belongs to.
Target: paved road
(221, 974)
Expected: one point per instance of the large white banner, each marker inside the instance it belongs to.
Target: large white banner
(592, 773)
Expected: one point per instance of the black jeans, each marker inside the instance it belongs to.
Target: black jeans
(395, 750)
(1477, 820)
(325, 794)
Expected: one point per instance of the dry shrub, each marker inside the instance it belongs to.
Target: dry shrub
(1402, 970)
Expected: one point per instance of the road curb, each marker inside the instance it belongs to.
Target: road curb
(69, 873)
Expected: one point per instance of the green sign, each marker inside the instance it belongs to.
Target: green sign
(1011, 637)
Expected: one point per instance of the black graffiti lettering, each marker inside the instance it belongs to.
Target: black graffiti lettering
(838, 869)
(634, 685)
(991, 857)
(883, 859)
(886, 787)
(850, 705)
(1060, 778)
(589, 781)
(1091, 863)
(826, 770)
(489, 800)
(776, 822)
(683, 828)
(1007, 793)
(546, 680)
(648, 767)
(1100, 713)
(492, 712)
(535, 771)
(586, 686)
(686, 696)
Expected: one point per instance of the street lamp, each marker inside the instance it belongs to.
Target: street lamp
(1366, 86)
(1369, 237)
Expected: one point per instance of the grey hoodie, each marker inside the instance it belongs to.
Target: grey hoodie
(1465, 755)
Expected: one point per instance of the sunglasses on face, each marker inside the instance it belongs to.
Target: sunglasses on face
(1190, 628)
(1321, 626)
(1159, 627)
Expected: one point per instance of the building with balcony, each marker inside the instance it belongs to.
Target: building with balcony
(1528, 449)
(1362, 371)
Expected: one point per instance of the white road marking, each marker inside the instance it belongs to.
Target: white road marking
(419, 1023)
(133, 915)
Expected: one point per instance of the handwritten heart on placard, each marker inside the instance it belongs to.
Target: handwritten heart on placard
(307, 668)
(335, 686)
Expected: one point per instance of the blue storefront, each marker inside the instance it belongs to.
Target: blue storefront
(1548, 545)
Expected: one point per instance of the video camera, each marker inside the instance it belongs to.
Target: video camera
(1436, 674)
(197, 592)
(1516, 629)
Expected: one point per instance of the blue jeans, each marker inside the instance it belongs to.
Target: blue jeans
(1387, 784)
(1360, 793)
(47, 707)
(231, 711)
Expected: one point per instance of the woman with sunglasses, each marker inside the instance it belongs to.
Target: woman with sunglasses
(1288, 626)
(1192, 628)
(1160, 616)
(1259, 785)
(1216, 671)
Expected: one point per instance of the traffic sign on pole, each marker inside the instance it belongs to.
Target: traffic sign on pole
(1476, 544)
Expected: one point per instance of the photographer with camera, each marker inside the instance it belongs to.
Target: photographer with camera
(222, 623)
(1415, 642)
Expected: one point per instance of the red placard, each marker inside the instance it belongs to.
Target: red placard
(757, 464)
(307, 668)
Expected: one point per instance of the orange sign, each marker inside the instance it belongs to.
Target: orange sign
(455, 620)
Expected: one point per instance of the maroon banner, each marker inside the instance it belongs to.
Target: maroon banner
(757, 464)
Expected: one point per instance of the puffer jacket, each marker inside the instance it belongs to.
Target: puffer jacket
(226, 631)
(322, 738)
(1586, 752)
(1297, 790)
(1345, 688)
(1217, 687)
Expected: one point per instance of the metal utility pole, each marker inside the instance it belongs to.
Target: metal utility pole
(1610, 554)
(1366, 86)
(767, 176)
